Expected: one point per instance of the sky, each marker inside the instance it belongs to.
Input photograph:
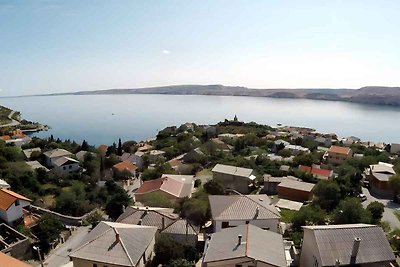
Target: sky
(62, 46)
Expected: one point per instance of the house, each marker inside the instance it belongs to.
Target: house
(295, 190)
(11, 205)
(7, 260)
(379, 176)
(65, 165)
(103, 148)
(229, 136)
(233, 210)
(81, 155)
(34, 165)
(55, 154)
(221, 145)
(337, 155)
(19, 142)
(193, 156)
(28, 152)
(149, 216)
(318, 173)
(232, 177)
(345, 245)
(394, 148)
(133, 158)
(174, 187)
(125, 166)
(271, 183)
(176, 162)
(116, 244)
(245, 245)
(295, 150)
(155, 155)
(143, 147)
(14, 243)
(4, 184)
(183, 232)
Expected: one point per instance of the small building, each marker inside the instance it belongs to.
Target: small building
(66, 165)
(133, 158)
(345, 245)
(34, 165)
(155, 155)
(245, 245)
(55, 154)
(193, 156)
(14, 244)
(183, 232)
(318, 173)
(103, 148)
(28, 152)
(221, 145)
(295, 150)
(174, 187)
(394, 148)
(379, 176)
(295, 190)
(235, 178)
(116, 244)
(125, 166)
(81, 155)
(234, 210)
(11, 205)
(271, 183)
(337, 155)
(9, 261)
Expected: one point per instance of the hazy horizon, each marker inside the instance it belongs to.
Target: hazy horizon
(51, 46)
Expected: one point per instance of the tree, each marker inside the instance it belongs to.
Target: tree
(350, 211)
(156, 199)
(48, 230)
(376, 209)
(181, 263)
(308, 215)
(195, 210)
(214, 187)
(167, 250)
(119, 149)
(84, 146)
(115, 206)
(129, 146)
(327, 194)
(394, 182)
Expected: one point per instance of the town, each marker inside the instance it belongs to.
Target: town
(231, 194)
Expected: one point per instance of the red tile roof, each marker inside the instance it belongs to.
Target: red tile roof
(103, 147)
(125, 166)
(315, 171)
(5, 137)
(340, 150)
(9, 261)
(150, 186)
(8, 197)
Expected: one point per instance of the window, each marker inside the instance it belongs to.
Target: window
(94, 265)
(17, 202)
(225, 225)
(64, 168)
(70, 166)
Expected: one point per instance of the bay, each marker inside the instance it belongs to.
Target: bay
(102, 119)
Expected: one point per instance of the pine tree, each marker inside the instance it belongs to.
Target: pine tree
(84, 146)
(119, 150)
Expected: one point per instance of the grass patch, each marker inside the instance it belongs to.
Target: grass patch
(205, 172)
(287, 215)
(397, 214)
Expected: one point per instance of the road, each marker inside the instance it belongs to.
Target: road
(59, 256)
(389, 208)
(13, 122)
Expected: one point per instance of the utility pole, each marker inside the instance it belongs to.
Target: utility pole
(40, 256)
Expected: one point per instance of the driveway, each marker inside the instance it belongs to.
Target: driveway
(389, 208)
(60, 256)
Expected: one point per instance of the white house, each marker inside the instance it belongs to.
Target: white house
(234, 210)
(65, 165)
(116, 244)
(11, 205)
(345, 245)
(53, 155)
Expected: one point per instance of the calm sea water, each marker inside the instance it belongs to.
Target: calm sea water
(105, 118)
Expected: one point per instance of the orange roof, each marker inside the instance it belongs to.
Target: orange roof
(340, 150)
(5, 137)
(6, 260)
(150, 186)
(125, 165)
(8, 197)
(103, 147)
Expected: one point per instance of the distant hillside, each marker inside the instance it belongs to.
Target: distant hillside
(377, 95)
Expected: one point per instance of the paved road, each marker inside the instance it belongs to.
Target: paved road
(389, 208)
(13, 122)
(59, 256)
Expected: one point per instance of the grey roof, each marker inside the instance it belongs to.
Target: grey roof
(181, 227)
(151, 217)
(242, 207)
(28, 152)
(232, 170)
(61, 161)
(57, 153)
(336, 242)
(36, 165)
(382, 171)
(298, 185)
(82, 154)
(261, 245)
(101, 243)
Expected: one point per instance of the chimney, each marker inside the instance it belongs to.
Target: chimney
(257, 211)
(337, 263)
(239, 240)
(147, 210)
(140, 222)
(163, 222)
(356, 246)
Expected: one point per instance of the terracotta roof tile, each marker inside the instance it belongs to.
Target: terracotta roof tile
(339, 150)
(8, 197)
(125, 165)
(315, 171)
(6, 260)
(150, 186)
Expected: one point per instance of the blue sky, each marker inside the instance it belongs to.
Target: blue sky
(60, 46)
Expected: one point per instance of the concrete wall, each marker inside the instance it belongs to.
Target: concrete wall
(272, 224)
(14, 212)
(294, 194)
(309, 251)
(238, 183)
(337, 159)
(66, 169)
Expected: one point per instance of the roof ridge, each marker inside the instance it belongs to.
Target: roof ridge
(97, 237)
(259, 204)
(123, 246)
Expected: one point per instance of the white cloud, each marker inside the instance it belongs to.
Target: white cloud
(166, 52)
